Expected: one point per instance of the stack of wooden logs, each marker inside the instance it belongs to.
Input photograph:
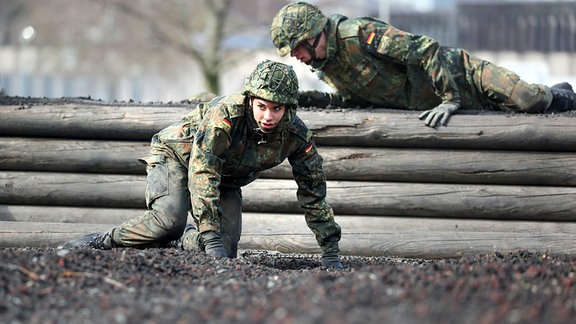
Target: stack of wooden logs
(487, 182)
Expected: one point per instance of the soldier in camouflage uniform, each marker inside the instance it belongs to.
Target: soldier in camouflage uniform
(201, 163)
(371, 63)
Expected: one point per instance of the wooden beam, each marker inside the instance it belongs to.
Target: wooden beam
(72, 189)
(423, 200)
(66, 214)
(72, 155)
(96, 121)
(346, 197)
(361, 235)
(368, 128)
(340, 163)
(443, 166)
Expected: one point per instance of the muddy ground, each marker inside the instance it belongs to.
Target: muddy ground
(47, 285)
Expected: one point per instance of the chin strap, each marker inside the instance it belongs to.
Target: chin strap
(258, 131)
(312, 47)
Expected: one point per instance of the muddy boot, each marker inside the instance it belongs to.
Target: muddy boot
(562, 100)
(101, 241)
(183, 242)
(213, 244)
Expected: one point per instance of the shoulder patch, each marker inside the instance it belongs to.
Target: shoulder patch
(374, 40)
(370, 38)
(309, 147)
(226, 124)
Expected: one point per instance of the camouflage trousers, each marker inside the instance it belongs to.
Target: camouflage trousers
(168, 202)
(492, 85)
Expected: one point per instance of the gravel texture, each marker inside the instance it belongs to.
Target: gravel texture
(47, 285)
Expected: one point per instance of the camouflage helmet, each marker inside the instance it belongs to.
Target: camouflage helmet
(273, 81)
(295, 23)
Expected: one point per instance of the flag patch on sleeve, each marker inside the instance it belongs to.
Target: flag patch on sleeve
(370, 38)
(226, 124)
(309, 147)
(374, 40)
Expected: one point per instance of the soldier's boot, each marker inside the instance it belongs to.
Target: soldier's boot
(319, 99)
(101, 241)
(209, 242)
(181, 243)
(213, 244)
(562, 100)
(562, 85)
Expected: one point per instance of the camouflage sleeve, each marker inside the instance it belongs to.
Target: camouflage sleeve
(208, 153)
(309, 175)
(421, 52)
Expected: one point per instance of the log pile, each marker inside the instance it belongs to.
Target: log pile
(488, 182)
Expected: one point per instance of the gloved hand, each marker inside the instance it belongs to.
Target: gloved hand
(440, 113)
(213, 244)
(313, 98)
(332, 261)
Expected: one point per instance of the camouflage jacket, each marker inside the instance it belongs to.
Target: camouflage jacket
(221, 145)
(371, 61)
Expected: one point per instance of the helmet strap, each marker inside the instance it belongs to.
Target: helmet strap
(312, 47)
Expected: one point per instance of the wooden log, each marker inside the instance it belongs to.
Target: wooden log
(361, 235)
(38, 234)
(63, 214)
(340, 163)
(346, 197)
(467, 130)
(372, 128)
(411, 237)
(443, 166)
(423, 200)
(72, 155)
(98, 121)
(72, 189)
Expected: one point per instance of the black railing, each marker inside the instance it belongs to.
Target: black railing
(529, 26)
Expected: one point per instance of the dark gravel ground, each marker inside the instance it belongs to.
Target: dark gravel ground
(47, 285)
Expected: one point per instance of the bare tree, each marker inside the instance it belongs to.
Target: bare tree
(118, 38)
(197, 29)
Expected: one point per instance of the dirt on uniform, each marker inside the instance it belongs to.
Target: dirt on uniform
(47, 285)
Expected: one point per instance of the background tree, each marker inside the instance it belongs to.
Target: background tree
(117, 38)
(201, 29)
(182, 26)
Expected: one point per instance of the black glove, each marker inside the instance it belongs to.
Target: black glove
(332, 261)
(213, 244)
(313, 98)
(440, 113)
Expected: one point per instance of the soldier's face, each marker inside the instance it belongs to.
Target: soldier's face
(302, 53)
(267, 114)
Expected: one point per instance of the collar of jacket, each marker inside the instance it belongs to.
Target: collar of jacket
(331, 34)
